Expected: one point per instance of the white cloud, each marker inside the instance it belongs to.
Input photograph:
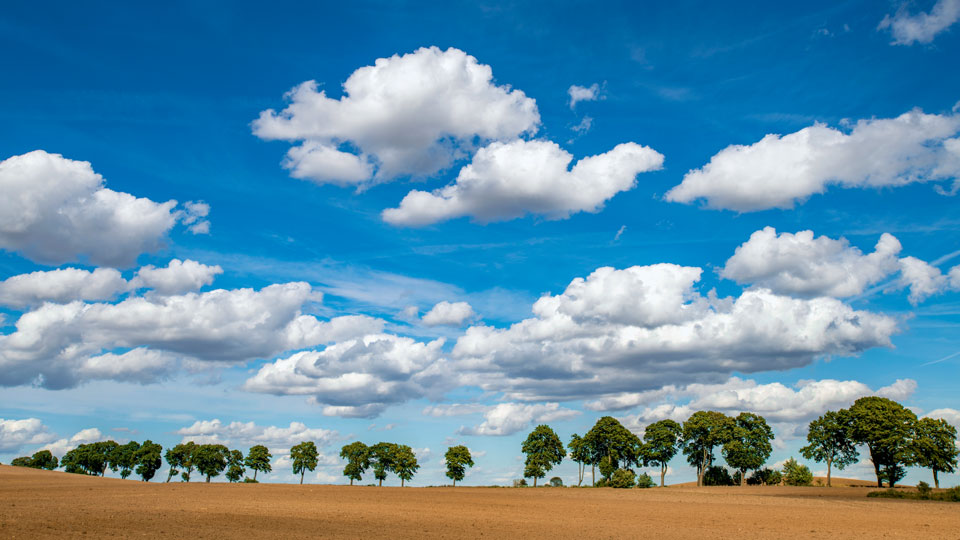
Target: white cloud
(446, 313)
(64, 285)
(509, 180)
(84, 436)
(925, 280)
(778, 171)
(243, 435)
(583, 93)
(56, 210)
(404, 115)
(952, 416)
(193, 214)
(455, 409)
(509, 418)
(923, 27)
(177, 277)
(15, 434)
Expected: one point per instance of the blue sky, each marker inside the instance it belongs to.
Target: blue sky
(421, 256)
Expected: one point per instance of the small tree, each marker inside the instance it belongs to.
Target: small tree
(661, 441)
(123, 458)
(716, 475)
(235, 468)
(613, 446)
(357, 455)
(749, 445)
(147, 459)
(211, 459)
(304, 457)
(702, 432)
(886, 427)
(404, 462)
(764, 477)
(22, 461)
(795, 474)
(830, 443)
(556, 481)
(258, 459)
(644, 481)
(180, 459)
(622, 478)
(458, 459)
(580, 454)
(44, 459)
(933, 446)
(381, 459)
(544, 450)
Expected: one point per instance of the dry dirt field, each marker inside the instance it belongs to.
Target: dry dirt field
(41, 504)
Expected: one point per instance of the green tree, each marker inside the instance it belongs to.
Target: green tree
(764, 477)
(381, 458)
(702, 432)
(716, 475)
(92, 458)
(22, 461)
(304, 457)
(404, 462)
(44, 459)
(612, 446)
(357, 455)
(830, 443)
(556, 481)
(748, 447)
(580, 454)
(148, 459)
(211, 459)
(458, 458)
(622, 478)
(544, 449)
(644, 481)
(795, 474)
(101, 453)
(71, 462)
(235, 467)
(122, 458)
(258, 459)
(933, 446)
(180, 459)
(661, 441)
(885, 427)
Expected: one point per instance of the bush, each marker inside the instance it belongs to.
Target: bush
(717, 476)
(252, 481)
(764, 477)
(556, 481)
(924, 490)
(950, 495)
(623, 478)
(520, 483)
(795, 474)
(644, 481)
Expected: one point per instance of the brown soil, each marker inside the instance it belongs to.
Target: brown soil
(42, 504)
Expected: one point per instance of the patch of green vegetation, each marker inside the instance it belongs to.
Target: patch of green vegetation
(923, 494)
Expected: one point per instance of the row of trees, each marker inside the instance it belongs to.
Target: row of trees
(383, 457)
(210, 460)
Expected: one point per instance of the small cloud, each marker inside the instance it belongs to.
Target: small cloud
(583, 126)
(584, 93)
(619, 233)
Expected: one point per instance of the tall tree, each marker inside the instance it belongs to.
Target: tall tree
(580, 454)
(122, 458)
(148, 459)
(304, 457)
(830, 443)
(404, 462)
(886, 427)
(661, 441)
(235, 467)
(934, 447)
(748, 447)
(702, 432)
(458, 458)
(381, 458)
(180, 459)
(72, 461)
(613, 446)
(258, 459)
(44, 459)
(544, 449)
(357, 455)
(211, 459)
(101, 452)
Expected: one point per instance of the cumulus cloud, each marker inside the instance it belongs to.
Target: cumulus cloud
(908, 29)
(455, 409)
(583, 93)
(779, 171)
(447, 313)
(644, 327)
(15, 434)
(952, 416)
(358, 377)
(84, 436)
(55, 210)
(925, 280)
(246, 434)
(507, 180)
(177, 277)
(404, 115)
(509, 418)
(61, 286)
(193, 215)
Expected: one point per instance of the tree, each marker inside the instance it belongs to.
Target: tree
(122, 457)
(644, 481)
(556, 481)
(404, 462)
(71, 462)
(933, 446)
(381, 457)
(211, 459)
(357, 455)
(795, 474)
(180, 459)
(43, 459)
(258, 459)
(579, 453)
(458, 459)
(101, 453)
(612, 446)
(22, 461)
(765, 477)
(622, 478)
(304, 457)
(544, 450)
(749, 445)
(235, 467)
(92, 458)
(661, 441)
(830, 443)
(716, 475)
(885, 427)
(148, 460)
(702, 432)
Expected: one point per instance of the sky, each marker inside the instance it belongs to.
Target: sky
(446, 224)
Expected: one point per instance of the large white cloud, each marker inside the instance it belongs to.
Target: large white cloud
(60, 286)
(908, 29)
(509, 418)
(84, 436)
(779, 171)
(15, 434)
(177, 277)
(358, 377)
(448, 313)
(404, 115)
(507, 180)
(583, 343)
(55, 210)
(243, 435)
(952, 416)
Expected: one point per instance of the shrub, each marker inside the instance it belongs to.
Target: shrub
(623, 478)
(764, 477)
(556, 481)
(950, 495)
(717, 476)
(924, 490)
(252, 481)
(520, 483)
(795, 474)
(644, 481)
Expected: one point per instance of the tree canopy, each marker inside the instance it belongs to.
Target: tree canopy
(661, 441)
(612, 446)
(147, 459)
(357, 455)
(180, 460)
(544, 449)
(580, 454)
(748, 446)
(381, 459)
(304, 457)
(702, 432)
(934, 446)
(404, 462)
(235, 466)
(885, 427)
(211, 459)
(458, 458)
(829, 442)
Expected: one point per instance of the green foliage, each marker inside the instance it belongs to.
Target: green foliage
(949, 495)
(147, 459)
(250, 481)
(612, 446)
(44, 459)
(717, 476)
(661, 441)
(180, 459)
(544, 449)
(886, 427)
(644, 481)
(556, 481)
(123, 458)
(830, 442)
(404, 463)
(765, 477)
(796, 474)
(702, 432)
(211, 459)
(622, 478)
(357, 455)
(235, 468)
(258, 460)
(92, 458)
(381, 458)
(923, 489)
(580, 454)
(522, 482)
(458, 458)
(22, 461)
(748, 447)
(304, 457)
(933, 446)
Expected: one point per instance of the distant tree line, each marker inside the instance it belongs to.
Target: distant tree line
(383, 457)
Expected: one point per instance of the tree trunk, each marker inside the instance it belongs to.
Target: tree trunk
(936, 481)
(593, 474)
(876, 469)
(170, 474)
(663, 472)
(829, 470)
(254, 474)
(401, 482)
(703, 468)
(351, 481)
(208, 478)
(743, 477)
(454, 482)
(381, 482)
(301, 476)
